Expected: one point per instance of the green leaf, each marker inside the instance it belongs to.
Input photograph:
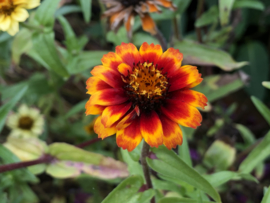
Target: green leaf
(262, 108)
(169, 164)
(49, 55)
(220, 178)
(125, 190)
(141, 37)
(134, 167)
(60, 169)
(257, 155)
(208, 17)
(198, 54)
(67, 9)
(225, 8)
(266, 84)
(248, 4)
(119, 37)
(76, 109)
(247, 135)
(45, 13)
(142, 197)
(86, 9)
(180, 200)
(183, 150)
(266, 197)
(6, 108)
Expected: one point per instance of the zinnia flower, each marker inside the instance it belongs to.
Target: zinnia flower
(144, 94)
(28, 122)
(14, 11)
(125, 11)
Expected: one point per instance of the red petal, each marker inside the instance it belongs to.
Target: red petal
(101, 130)
(113, 113)
(151, 128)
(172, 132)
(127, 120)
(150, 53)
(111, 60)
(111, 77)
(124, 69)
(190, 97)
(130, 137)
(93, 109)
(108, 97)
(94, 84)
(129, 53)
(182, 113)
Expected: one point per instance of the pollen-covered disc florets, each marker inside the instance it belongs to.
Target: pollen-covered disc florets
(146, 85)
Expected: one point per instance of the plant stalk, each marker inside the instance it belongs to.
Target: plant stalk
(87, 143)
(161, 40)
(146, 172)
(198, 14)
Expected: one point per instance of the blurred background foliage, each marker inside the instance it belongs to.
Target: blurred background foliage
(47, 63)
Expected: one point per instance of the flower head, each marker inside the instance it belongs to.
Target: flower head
(14, 11)
(125, 11)
(28, 122)
(144, 94)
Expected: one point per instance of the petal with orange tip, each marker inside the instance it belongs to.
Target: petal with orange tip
(150, 53)
(113, 113)
(127, 120)
(148, 24)
(194, 84)
(182, 113)
(129, 21)
(93, 109)
(185, 76)
(108, 97)
(94, 84)
(102, 131)
(124, 69)
(190, 97)
(152, 7)
(111, 77)
(130, 137)
(166, 3)
(111, 60)
(172, 132)
(151, 128)
(170, 61)
(128, 53)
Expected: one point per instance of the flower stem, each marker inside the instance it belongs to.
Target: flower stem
(87, 143)
(198, 14)
(161, 40)
(8, 167)
(144, 154)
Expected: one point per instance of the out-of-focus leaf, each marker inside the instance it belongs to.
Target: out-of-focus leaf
(142, 197)
(76, 109)
(208, 17)
(256, 54)
(219, 155)
(198, 54)
(67, 9)
(4, 110)
(86, 9)
(49, 54)
(134, 167)
(180, 200)
(45, 13)
(125, 190)
(247, 135)
(165, 185)
(141, 37)
(170, 165)
(266, 197)
(262, 108)
(60, 169)
(4, 36)
(136, 153)
(225, 8)
(248, 4)
(266, 84)
(257, 155)
(215, 128)
(220, 178)
(119, 37)
(183, 150)
(248, 177)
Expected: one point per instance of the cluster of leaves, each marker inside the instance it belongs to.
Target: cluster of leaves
(56, 70)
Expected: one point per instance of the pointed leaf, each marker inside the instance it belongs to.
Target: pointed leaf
(266, 197)
(225, 8)
(262, 108)
(86, 8)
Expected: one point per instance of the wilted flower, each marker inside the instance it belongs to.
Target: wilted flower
(125, 11)
(144, 94)
(28, 122)
(14, 11)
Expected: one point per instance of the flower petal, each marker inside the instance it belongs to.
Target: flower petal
(111, 60)
(94, 84)
(129, 22)
(111, 77)
(113, 113)
(194, 84)
(124, 69)
(166, 3)
(170, 61)
(5, 23)
(102, 131)
(184, 76)
(148, 24)
(182, 113)
(14, 28)
(153, 7)
(190, 97)
(130, 137)
(150, 53)
(108, 97)
(129, 53)
(20, 14)
(127, 120)
(172, 132)
(151, 128)
(93, 109)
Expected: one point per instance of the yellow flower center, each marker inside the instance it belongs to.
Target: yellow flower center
(6, 7)
(146, 84)
(26, 123)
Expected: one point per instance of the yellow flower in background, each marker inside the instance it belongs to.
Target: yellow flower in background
(14, 11)
(28, 122)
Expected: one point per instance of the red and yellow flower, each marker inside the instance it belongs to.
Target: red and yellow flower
(144, 93)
